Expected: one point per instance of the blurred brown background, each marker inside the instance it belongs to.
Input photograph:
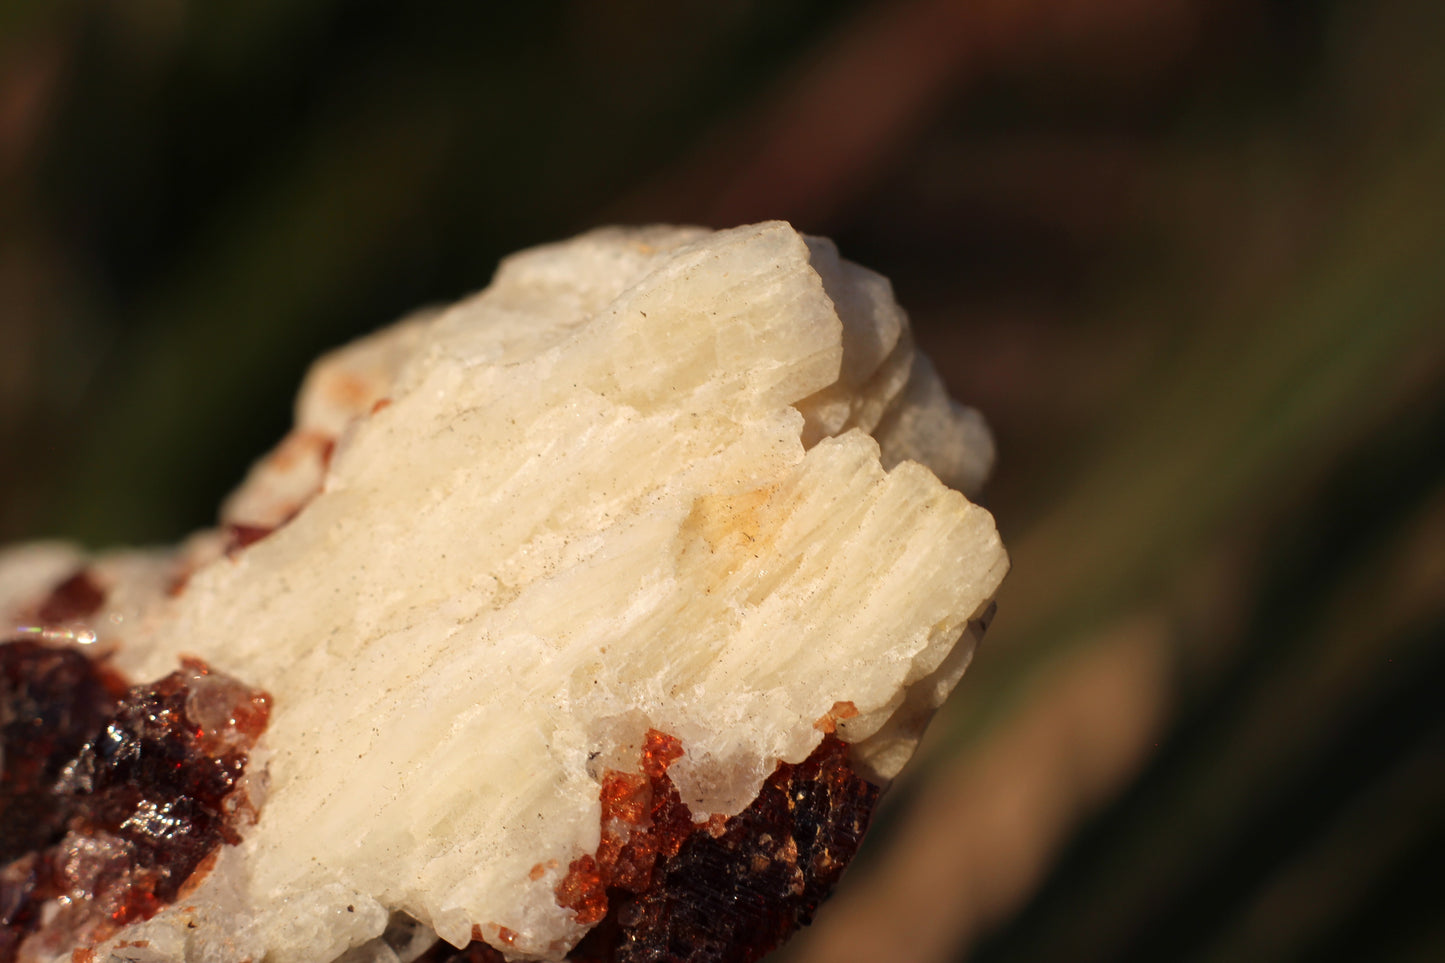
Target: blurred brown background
(1187, 255)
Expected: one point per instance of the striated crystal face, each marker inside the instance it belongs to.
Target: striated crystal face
(594, 610)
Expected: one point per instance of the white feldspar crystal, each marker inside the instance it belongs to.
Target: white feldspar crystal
(654, 478)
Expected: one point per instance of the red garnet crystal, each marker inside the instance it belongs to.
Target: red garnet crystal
(111, 798)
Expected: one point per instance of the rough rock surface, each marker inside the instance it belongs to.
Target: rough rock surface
(650, 481)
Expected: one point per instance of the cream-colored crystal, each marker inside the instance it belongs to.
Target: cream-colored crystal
(656, 477)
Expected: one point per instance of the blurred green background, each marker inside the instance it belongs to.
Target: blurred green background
(1188, 256)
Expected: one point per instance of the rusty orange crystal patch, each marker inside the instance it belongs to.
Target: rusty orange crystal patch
(642, 818)
(735, 895)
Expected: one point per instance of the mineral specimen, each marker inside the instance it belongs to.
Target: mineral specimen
(593, 612)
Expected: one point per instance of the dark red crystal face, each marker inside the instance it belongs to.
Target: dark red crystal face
(664, 889)
(111, 799)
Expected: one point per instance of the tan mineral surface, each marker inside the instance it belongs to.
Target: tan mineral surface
(661, 479)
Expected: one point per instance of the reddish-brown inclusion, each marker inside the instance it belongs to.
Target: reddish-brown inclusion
(75, 598)
(111, 799)
(239, 536)
(664, 889)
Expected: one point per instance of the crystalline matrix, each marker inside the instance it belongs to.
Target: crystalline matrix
(583, 617)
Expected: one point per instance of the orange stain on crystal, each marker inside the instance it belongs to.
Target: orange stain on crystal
(840, 712)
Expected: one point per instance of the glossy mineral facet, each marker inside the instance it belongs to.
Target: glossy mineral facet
(112, 799)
